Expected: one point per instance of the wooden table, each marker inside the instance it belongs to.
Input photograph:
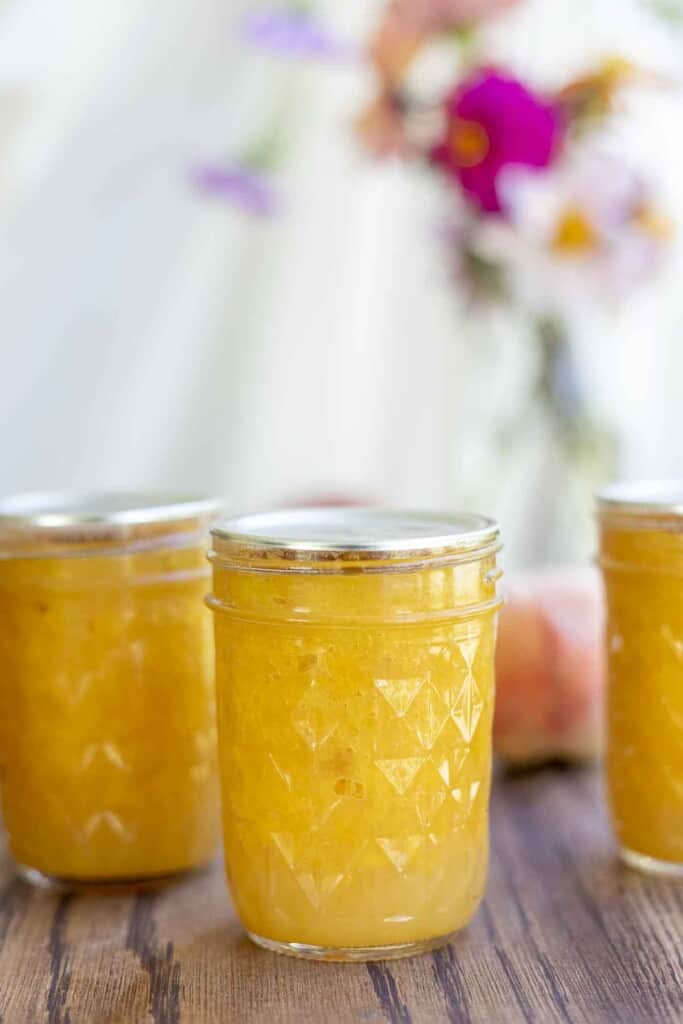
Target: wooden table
(566, 935)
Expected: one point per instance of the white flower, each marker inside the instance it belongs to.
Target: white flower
(586, 230)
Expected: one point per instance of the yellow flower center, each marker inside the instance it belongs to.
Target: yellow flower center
(469, 143)
(616, 70)
(574, 233)
(653, 223)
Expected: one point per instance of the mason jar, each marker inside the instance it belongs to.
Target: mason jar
(642, 561)
(107, 716)
(355, 683)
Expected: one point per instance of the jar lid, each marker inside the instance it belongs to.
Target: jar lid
(96, 509)
(643, 497)
(322, 533)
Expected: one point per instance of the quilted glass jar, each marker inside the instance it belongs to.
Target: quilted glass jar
(355, 681)
(107, 708)
(642, 562)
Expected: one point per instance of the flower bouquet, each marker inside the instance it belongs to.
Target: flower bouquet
(545, 225)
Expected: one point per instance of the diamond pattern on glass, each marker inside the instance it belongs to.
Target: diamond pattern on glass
(468, 649)
(466, 795)
(285, 844)
(109, 822)
(414, 721)
(467, 707)
(428, 805)
(309, 861)
(108, 752)
(317, 888)
(450, 768)
(400, 772)
(400, 850)
(311, 717)
(284, 775)
(399, 693)
(75, 688)
(328, 810)
(428, 716)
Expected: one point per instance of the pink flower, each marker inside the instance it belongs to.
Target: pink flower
(494, 121)
(435, 15)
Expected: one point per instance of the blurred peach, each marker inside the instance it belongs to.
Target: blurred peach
(550, 668)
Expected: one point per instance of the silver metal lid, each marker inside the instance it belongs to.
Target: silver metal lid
(328, 531)
(643, 497)
(83, 509)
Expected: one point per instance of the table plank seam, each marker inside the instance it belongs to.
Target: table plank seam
(60, 970)
(448, 975)
(388, 995)
(507, 966)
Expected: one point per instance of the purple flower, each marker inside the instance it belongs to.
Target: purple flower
(237, 185)
(493, 122)
(295, 33)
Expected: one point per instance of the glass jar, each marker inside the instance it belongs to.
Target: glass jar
(355, 682)
(642, 562)
(107, 716)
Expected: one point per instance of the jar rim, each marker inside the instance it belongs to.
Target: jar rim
(320, 533)
(92, 510)
(643, 497)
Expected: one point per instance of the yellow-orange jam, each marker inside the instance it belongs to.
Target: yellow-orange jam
(642, 560)
(107, 723)
(355, 680)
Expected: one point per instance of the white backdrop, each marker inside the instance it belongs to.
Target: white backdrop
(151, 338)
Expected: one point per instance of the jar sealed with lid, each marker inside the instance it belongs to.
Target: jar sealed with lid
(107, 723)
(642, 562)
(355, 681)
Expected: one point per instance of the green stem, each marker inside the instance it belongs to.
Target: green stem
(559, 390)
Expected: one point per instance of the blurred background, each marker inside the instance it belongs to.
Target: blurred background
(210, 281)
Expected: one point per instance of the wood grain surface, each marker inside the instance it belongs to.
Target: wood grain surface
(566, 935)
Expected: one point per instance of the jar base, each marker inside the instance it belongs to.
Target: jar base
(103, 886)
(650, 865)
(353, 954)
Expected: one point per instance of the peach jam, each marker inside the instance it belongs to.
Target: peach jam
(642, 561)
(107, 716)
(355, 682)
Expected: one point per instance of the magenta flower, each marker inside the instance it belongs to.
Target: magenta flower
(494, 121)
